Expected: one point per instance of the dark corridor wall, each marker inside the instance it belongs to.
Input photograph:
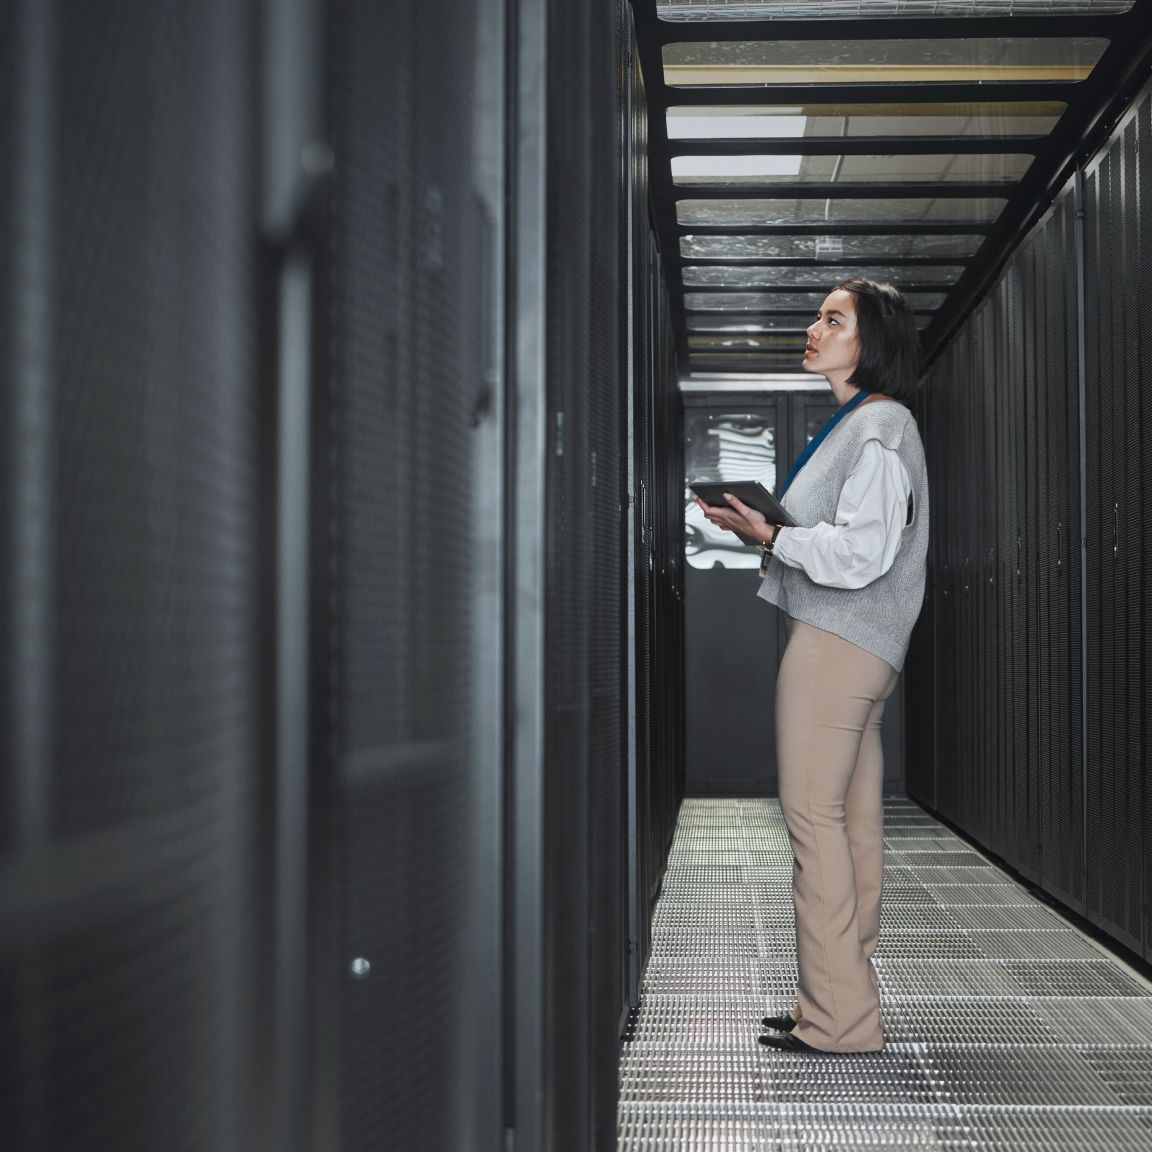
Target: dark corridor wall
(1028, 716)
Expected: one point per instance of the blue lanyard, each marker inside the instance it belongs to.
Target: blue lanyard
(820, 436)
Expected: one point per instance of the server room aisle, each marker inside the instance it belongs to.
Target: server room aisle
(1007, 1029)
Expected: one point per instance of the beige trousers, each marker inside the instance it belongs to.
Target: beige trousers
(829, 702)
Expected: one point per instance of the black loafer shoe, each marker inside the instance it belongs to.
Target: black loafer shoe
(783, 1023)
(786, 1042)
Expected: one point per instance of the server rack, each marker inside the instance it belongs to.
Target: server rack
(1048, 674)
(133, 724)
(1117, 258)
(314, 807)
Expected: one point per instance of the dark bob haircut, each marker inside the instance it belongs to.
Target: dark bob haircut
(889, 342)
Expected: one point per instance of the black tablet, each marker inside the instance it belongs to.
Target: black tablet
(751, 492)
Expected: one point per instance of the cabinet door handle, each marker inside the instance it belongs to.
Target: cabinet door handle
(1059, 544)
(1115, 529)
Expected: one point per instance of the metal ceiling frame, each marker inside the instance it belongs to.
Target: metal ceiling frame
(1093, 106)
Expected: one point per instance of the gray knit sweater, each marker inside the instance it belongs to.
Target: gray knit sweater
(878, 617)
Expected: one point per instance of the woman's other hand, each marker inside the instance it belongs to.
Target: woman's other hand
(737, 517)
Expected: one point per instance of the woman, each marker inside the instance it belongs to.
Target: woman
(850, 580)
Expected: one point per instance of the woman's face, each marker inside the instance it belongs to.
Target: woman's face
(833, 340)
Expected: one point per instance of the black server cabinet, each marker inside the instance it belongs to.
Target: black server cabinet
(1117, 260)
(656, 515)
(585, 621)
(1057, 666)
(1012, 832)
(406, 283)
(990, 700)
(1002, 404)
(979, 681)
(9, 500)
(644, 312)
(1041, 730)
(132, 508)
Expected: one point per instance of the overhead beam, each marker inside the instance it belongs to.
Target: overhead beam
(924, 93)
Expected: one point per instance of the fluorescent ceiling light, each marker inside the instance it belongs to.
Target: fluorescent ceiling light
(751, 382)
(687, 127)
(735, 166)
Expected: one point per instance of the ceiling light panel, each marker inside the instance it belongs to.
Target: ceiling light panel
(1012, 118)
(784, 213)
(715, 124)
(784, 301)
(827, 248)
(976, 61)
(735, 360)
(818, 276)
(708, 323)
(880, 9)
(792, 342)
(725, 169)
(933, 168)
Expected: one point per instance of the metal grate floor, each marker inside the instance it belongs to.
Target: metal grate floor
(1006, 1029)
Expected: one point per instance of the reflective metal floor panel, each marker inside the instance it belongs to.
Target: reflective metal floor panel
(1006, 1029)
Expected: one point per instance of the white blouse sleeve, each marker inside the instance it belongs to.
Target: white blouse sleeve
(870, 517)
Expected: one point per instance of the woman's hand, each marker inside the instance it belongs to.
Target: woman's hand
(738, 517)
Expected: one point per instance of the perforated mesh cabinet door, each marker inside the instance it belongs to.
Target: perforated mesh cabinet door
(945, 456)
(1117, 258)
(668, 484)
(608, 719)
(9, 408)
(643, 319)
(1142, 564)
(406, 298)
(1014, 839)
(130, 1025)
(1031, 315)
(991, 575)
(13, 1058)
(657, 518)
(920, 682)
(968, 599)
(1058, 595)
(585, 623)
(569, 583)
(662, 497)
